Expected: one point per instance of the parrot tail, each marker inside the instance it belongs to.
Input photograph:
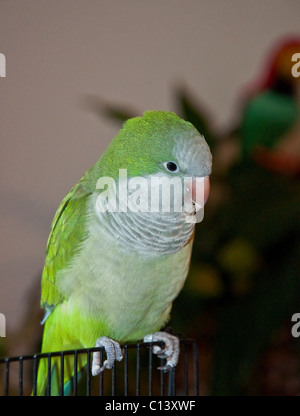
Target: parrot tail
(50, 377)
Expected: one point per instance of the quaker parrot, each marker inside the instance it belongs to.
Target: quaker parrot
(111, 274)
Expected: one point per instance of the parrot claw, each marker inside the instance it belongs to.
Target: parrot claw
(113, 353)
(170, 352)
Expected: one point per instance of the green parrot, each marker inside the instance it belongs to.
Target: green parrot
(111, 274)
(269, 129)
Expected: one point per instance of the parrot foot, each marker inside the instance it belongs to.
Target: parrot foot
(113, 353)
(170, 352)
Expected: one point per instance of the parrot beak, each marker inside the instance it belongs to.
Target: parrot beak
(199, 190)
(195, 197)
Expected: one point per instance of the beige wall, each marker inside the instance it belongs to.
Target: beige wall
(125, 51)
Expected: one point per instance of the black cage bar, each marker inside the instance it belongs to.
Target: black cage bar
(137, 374)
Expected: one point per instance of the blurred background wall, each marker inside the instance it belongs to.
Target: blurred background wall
(133, 53)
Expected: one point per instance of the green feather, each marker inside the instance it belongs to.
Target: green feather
(68, 232)
(143, 143)
(267, 118)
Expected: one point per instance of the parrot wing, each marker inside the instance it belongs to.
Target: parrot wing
(68, 231)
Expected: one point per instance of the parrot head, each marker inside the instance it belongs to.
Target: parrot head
(281, 63)
(159, 143)
(276, 72)
(151, 151)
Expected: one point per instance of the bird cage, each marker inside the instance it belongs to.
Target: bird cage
(138, 374)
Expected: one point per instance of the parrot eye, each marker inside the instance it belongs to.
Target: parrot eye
(171, 167)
